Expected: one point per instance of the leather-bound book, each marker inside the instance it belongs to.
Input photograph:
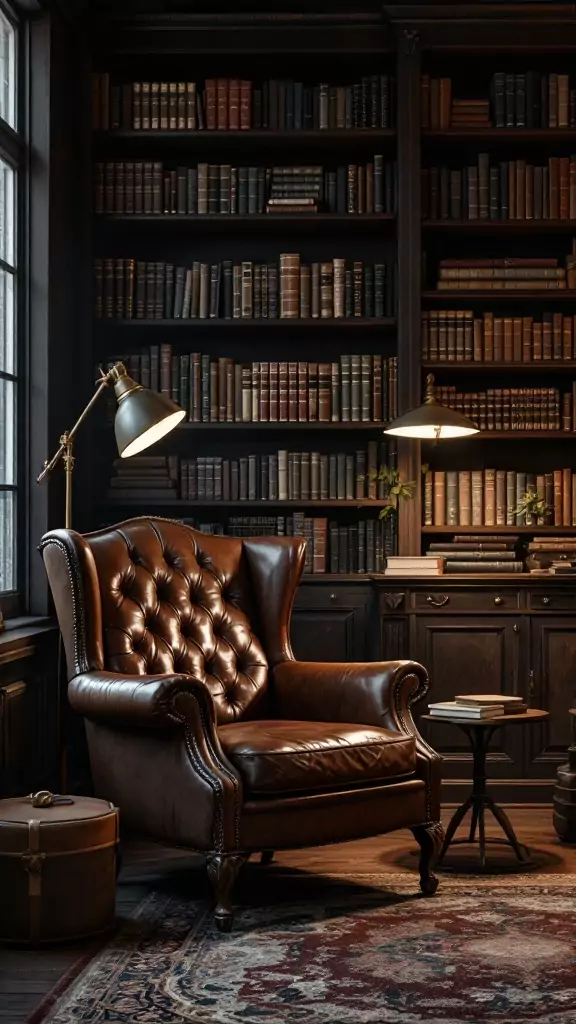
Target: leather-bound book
(346, 396)
(327, 290)
(566, 497)
(489, 497)
(558, 500)
(439, 498)
(313, 392)
(499, 338)
(172, 106)
(324, 390)
(564, 187)
(477, 490)
(563, 101)
(339, 287)
(355, 388)
(358, 275)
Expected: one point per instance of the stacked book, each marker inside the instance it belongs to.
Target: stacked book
(469, 554)
(414, 565)
(470, 114)
(489, 497)
(286, 476)
(126, 288)
(145, 478)
(551, 553)
(441, 112)
(233, 104)
(456, 335)
(507, 190)
(360, 547)
(356, 388)
(478, 707)
(532, 273)
(513, 408)
(149, 187)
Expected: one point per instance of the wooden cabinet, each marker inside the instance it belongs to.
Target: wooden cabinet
(553, 686)
(28, 703)
(332, 623)
(477, 655)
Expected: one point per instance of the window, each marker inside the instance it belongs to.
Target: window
(10, 160)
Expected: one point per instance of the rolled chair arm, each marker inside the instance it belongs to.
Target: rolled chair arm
(153, 700)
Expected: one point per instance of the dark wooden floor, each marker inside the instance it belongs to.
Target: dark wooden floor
(26, 976)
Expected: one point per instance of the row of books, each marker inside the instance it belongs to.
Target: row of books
(513, 408)
(456, 335)
(356, 388)
(517, 100)
(146, 187)
(508, 190)
(360, 547)
(126, 288)
(233, 104)
(280, 476)
(505, 274)
(491, 497)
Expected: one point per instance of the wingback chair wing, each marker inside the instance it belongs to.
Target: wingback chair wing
(203, 728)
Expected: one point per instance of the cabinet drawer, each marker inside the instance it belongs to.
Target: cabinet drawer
(553, 600)
(319, 596)
(466, 599)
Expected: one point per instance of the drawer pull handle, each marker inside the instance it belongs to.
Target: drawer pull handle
(498, 600)
(437, 602)
(332, 597)
(545, 600)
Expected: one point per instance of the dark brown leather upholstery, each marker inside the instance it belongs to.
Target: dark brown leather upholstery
(201, 726)
(287, 757)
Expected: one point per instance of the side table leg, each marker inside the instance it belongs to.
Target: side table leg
(506, 826)
(481, 836)
(456, 820)
(473, 824)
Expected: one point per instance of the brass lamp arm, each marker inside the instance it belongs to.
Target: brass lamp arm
(68, 436)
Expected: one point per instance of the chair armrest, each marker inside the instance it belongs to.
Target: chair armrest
(150, 701)
(369, 693)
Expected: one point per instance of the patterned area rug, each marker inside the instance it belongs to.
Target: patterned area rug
(352, 950)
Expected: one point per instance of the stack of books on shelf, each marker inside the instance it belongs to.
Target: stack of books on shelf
(125, 289)
(233, 104)
(532, 273)
(514, 408)
(150, 187)
(478, 706)
(286, 476)
(547, 554)
(145, 478)
(360, 547)
(456, 335)
(494, 497)
(441, 112)
(507, 190)
(414, 565)
(469, 554)
(354, 389)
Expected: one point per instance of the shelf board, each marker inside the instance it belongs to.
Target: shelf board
(505, 135)
(284, 425)
(246, 137)
(253, 220)
(498, 295)
(500, 227)
(537, 366)
(265, 323)
(206, 503)
(569, 530)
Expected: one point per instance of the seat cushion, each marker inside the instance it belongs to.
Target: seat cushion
(285, 757)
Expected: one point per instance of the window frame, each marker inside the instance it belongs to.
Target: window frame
(13, 151)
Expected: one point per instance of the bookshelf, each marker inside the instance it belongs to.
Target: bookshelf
(516, 630)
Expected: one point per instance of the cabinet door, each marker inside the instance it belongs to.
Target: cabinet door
(331, 623)
(553, 688)
(471, 654)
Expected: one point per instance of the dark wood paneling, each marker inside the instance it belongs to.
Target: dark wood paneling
(331, 624)
(553, 681)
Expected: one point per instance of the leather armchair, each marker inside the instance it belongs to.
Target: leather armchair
(210, 738)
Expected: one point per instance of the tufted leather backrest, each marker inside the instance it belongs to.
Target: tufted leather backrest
(177, 600)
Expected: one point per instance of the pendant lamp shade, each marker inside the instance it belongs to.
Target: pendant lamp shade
(431, 421)
(143, 416)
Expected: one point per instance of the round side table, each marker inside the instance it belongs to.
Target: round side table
(479, 734)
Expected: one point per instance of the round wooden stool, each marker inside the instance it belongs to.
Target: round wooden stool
(58, 868)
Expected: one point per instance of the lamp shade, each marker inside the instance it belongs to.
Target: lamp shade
(143, 416)
(431, 420)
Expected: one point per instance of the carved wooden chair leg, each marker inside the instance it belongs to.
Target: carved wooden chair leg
(430, 838)
(267, 856)
(223, 871)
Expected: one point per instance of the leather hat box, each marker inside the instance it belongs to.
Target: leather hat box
(58, 869)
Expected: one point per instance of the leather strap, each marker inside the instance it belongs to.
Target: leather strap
(33, 861)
